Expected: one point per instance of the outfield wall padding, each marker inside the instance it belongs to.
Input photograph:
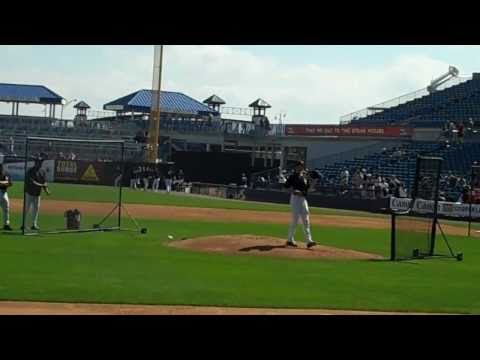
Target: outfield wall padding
(333, 202)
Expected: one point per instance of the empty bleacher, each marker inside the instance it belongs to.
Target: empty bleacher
(456, 103)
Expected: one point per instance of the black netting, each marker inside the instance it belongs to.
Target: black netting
(414, 231)
(84, 180)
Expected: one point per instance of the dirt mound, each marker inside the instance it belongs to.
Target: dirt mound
(265, 245)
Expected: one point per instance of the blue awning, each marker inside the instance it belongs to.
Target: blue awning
(170, 102)
(37, 94)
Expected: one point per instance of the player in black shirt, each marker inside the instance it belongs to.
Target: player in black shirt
(36, 182)
(299, 183)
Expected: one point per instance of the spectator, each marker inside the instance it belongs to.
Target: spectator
(344, 178)
(460, 132)
(453, 131)
(452, 180)
(244, 181)
(471, 124)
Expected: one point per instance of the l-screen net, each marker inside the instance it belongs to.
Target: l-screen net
(84, 185)
(414, 230)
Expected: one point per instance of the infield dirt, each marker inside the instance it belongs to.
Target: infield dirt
(218, 215)
(266, 245)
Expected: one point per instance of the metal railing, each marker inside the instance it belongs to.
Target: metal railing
(97, 114)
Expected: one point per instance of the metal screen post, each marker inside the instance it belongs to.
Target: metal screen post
(122, 167)
(473, 181)
(24, 187)
(470, 204)
(435, 207)
(393, 240)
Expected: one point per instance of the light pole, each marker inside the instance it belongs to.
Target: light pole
(64, 105)
(280, 118)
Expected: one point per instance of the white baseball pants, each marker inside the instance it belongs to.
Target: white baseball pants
(32, 202)
(299, 211)
(133, 183)
(5, 204)
(168, 184)
(156, 184)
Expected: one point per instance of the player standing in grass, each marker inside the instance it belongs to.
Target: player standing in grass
(156, 181)
(5, 183)
(299, 184)
(168, 181)
(36, 182)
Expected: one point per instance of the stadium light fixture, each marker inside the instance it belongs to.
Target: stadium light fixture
(64, 104)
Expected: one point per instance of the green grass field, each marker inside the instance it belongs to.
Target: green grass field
(108, 194)
(130, 268)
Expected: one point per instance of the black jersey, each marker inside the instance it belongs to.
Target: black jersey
(37, 175)
(4, 177)
(298, 182)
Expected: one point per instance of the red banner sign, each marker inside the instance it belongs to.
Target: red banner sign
(336, 130)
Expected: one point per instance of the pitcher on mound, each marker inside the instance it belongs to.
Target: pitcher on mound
(299, 183)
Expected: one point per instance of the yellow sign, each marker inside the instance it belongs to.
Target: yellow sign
(90, 174)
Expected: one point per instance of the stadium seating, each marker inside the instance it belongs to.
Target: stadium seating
(458, 103)
(458, 159)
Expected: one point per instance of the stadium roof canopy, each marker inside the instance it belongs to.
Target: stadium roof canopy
(170, 102)
(36, 94)
(82, 105)
(214, 99)
(260, 103)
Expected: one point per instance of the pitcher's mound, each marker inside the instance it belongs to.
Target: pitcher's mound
(265, 245)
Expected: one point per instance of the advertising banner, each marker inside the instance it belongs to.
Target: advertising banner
(86, 172)
(336, 130)
(102, 173)
(444, 208)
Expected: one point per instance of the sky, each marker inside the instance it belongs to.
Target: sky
(309, 84)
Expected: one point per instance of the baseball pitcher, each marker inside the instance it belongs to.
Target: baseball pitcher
(299, 183)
